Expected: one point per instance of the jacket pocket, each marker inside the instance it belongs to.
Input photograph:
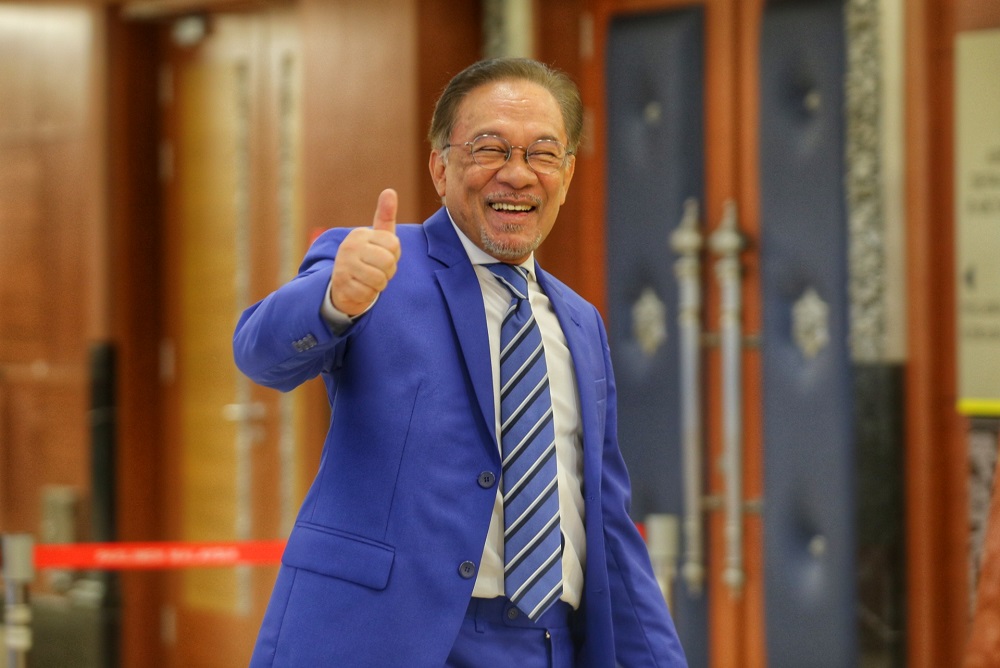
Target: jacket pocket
(338, 554)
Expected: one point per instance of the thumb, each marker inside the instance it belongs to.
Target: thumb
(385, 211)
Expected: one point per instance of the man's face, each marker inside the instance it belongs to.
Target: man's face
(508, 211)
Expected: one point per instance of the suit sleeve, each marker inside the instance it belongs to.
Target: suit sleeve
(644, 633)
(284, 340)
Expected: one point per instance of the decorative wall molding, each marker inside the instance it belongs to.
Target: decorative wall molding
(983, 453)
(289, 132)
(154, 10)
(246, 431)
(866, 221)
(508, 28)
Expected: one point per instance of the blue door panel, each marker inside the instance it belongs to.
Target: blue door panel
(808, 432)
(655, 162)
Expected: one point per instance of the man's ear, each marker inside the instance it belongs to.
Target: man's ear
(437, 166)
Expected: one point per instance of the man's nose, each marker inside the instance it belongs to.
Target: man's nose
(516, 171)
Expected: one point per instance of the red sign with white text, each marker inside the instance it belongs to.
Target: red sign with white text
(128, 556)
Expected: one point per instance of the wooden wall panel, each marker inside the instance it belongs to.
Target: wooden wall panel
(50, 225)
(20, 220)
(449, 37)
(977, 14)
(574, 250)
(372, 72)
(360, 109)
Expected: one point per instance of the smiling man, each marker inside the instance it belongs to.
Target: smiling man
(506, 207)
(471, 505)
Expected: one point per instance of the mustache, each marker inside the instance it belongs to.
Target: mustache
(514, 198)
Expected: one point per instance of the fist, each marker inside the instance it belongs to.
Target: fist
(367, 259)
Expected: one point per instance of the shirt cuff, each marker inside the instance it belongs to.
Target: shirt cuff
(337, 319)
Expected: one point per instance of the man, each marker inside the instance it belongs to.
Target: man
(471, 505)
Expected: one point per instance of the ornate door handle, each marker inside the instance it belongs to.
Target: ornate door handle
(686, 241)
(726, 243)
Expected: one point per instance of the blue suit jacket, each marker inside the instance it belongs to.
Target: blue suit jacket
(373, 571)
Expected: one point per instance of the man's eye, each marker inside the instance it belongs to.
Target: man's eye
(489, 150)
(546, 152)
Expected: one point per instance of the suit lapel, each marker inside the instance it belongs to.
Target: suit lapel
(460, 287)
(588, 367)
(569, 319)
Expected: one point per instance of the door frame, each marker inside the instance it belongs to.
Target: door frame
(135, 241)
(736, 625)
(937, 509)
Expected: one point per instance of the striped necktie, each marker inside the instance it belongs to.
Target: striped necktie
(532, 539)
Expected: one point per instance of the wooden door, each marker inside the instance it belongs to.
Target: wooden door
(229, 158)
(715, 422)
(672, 76)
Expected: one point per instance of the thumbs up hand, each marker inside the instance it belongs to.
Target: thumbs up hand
(367, 259)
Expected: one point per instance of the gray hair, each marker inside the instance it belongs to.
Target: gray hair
(484, 72)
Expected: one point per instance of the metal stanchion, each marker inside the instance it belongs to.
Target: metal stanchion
(18, 572)
(663, 543)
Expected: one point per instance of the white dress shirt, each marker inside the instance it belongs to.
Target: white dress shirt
(565, 420)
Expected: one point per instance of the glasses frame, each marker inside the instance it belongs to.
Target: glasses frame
(510, 151)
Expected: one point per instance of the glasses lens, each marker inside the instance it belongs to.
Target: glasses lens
(490, 152)
(546, 156)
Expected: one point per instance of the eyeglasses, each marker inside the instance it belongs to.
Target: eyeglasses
(545, 156)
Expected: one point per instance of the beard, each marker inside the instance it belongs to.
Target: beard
(509, 250)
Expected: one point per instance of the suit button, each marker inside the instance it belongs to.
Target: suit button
(486, 479)
(467, 569)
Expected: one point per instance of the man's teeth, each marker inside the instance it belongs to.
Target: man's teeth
(503, 206)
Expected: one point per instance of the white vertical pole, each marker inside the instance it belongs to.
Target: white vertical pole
(18, 573)
(509, 28)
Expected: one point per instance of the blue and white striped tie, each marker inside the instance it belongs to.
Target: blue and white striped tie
(532, 539)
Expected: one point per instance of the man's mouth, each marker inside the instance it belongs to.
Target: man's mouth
(507, 207)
